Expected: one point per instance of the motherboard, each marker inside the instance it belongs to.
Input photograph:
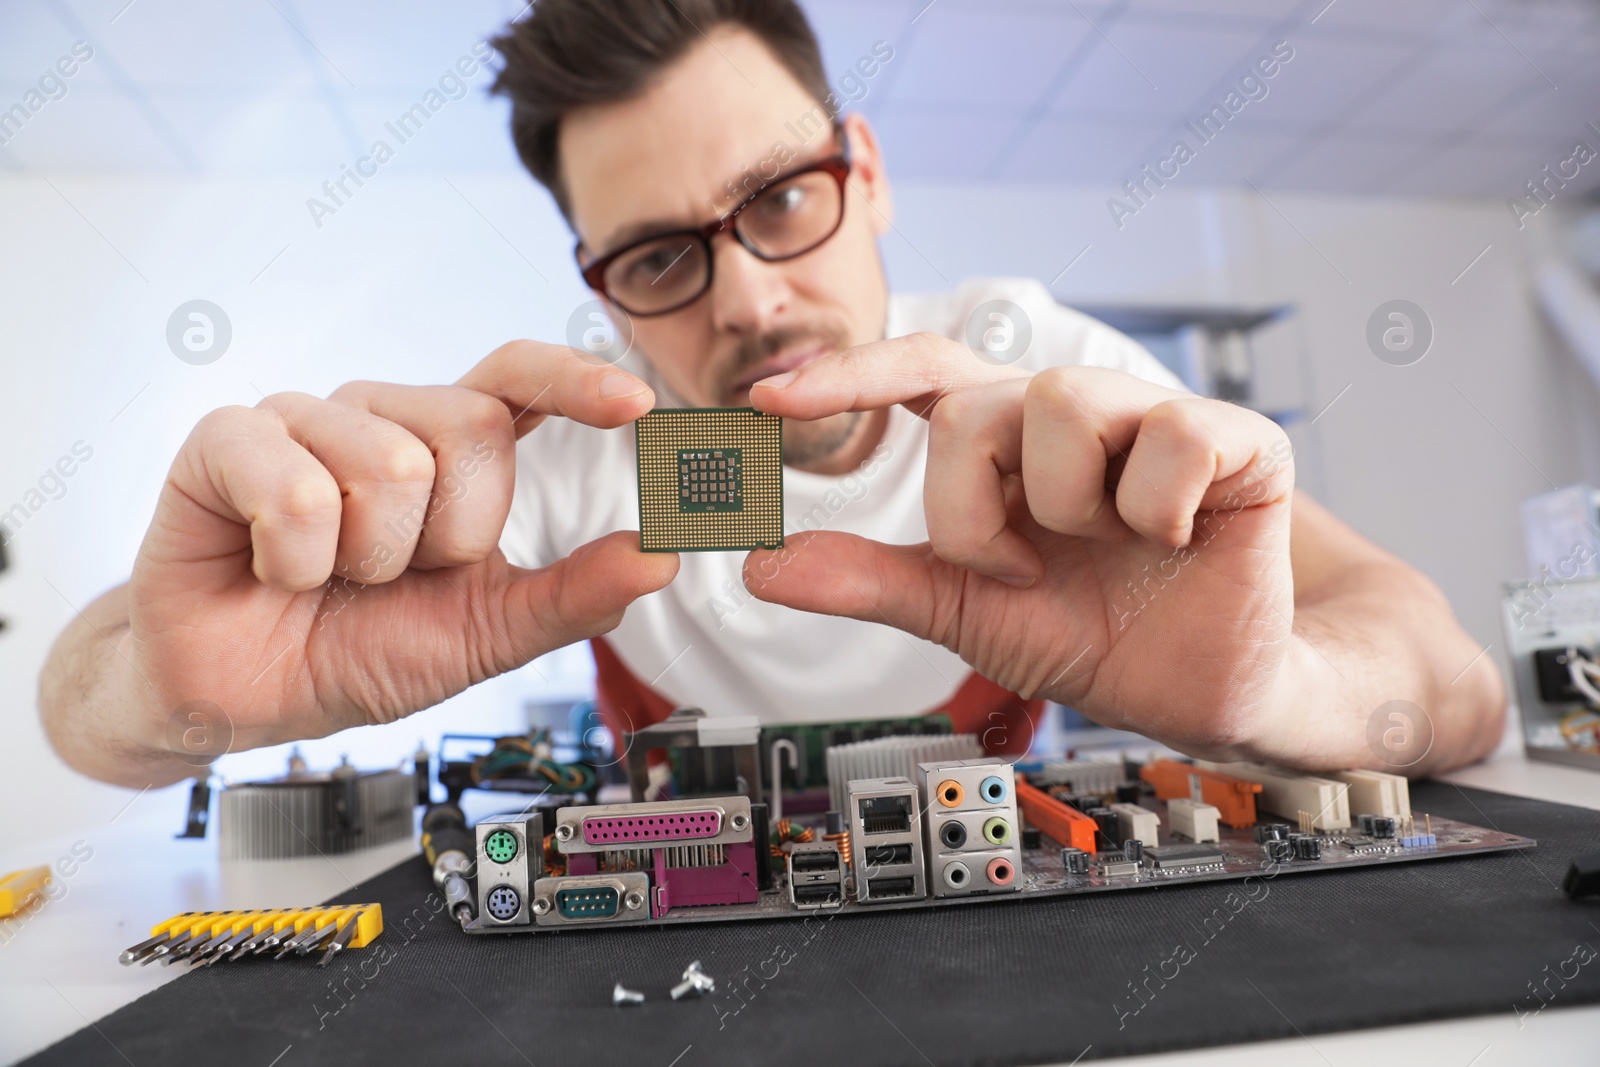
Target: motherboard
(898, 831)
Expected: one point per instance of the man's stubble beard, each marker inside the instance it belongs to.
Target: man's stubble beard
(812, 442)
(804, 442)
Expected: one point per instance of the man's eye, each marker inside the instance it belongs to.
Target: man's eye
(652, 264)
(783, 201)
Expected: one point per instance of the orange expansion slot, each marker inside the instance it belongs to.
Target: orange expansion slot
(1057, 821)
(1234, 798)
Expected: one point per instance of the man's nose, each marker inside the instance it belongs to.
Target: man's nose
(747, 294)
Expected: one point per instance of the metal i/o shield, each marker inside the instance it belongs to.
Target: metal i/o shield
(710, 480)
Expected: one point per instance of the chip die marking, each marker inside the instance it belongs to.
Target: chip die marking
(710, 480)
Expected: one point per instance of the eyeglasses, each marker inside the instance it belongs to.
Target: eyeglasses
(786, 218)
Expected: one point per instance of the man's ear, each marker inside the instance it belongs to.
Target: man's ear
(867, 176)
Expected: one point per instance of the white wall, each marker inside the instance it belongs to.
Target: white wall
(418, 276)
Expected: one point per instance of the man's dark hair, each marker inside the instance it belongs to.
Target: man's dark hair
(570, 53)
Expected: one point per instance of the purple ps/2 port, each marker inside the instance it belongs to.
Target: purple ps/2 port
(669, 826)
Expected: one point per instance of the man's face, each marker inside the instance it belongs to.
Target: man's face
(723, 114)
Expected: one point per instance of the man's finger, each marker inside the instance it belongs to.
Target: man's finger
(384, 474)
(915, 370)
(832, 573)
(974, 446)
(534, 380)
(1195, 455)
(470, 436)
(581, 596)
(1078, 424)
(240, 489)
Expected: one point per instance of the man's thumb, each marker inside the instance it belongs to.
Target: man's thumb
(842, 574)
(585, 594)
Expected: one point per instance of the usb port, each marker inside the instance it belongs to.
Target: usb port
(818, 894)
(883, 888)
(887, 855)
(821, 860)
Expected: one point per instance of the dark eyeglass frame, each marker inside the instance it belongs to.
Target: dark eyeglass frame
(837, 166)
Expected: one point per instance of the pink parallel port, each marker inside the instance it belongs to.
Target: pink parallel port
(670, 826)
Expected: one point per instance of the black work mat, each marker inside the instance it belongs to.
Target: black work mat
(1025, 983)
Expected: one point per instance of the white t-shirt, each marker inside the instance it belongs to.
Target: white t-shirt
(704, 640)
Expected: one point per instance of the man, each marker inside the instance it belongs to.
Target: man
(969, 534)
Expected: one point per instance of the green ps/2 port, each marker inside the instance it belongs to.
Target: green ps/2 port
(501, 846)
(997, 831)
(590, 902)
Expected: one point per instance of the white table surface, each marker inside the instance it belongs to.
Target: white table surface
(58, 972)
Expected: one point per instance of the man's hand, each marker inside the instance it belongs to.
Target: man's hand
(1094, 539)
(318, 564)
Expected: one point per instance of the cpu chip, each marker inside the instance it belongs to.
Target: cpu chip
(710, 480)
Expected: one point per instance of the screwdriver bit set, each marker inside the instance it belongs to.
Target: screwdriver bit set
(206, 937)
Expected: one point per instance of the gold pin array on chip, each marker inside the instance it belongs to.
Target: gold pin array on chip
(710, 480)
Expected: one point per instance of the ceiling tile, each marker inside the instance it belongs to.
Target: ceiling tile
(934, 144)
(1445, 89)
(1383, 19)
(1262, 10)
(32, 42)
(1326, 75)
(1535, 27)
(1234, 156)
(848, 29)
(1548, 113)
(241, 132)
(1155, 70)
(467, 134)
(1346, 164)
(1468, 169)
(1063, 151)
(92, 129)
(965, 56)
(194, 44)
(408, 47)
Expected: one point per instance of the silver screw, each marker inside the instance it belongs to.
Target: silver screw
(694, 981)
(564, 832)
(633, 901)
(541, 905)
(621, 996)
(739, 820)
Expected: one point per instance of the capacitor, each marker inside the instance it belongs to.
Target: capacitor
(1106, 820)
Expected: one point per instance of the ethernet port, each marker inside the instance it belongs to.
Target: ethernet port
(885, 815)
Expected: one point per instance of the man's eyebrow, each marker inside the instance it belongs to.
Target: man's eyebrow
(648, 228)
(635, 231)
